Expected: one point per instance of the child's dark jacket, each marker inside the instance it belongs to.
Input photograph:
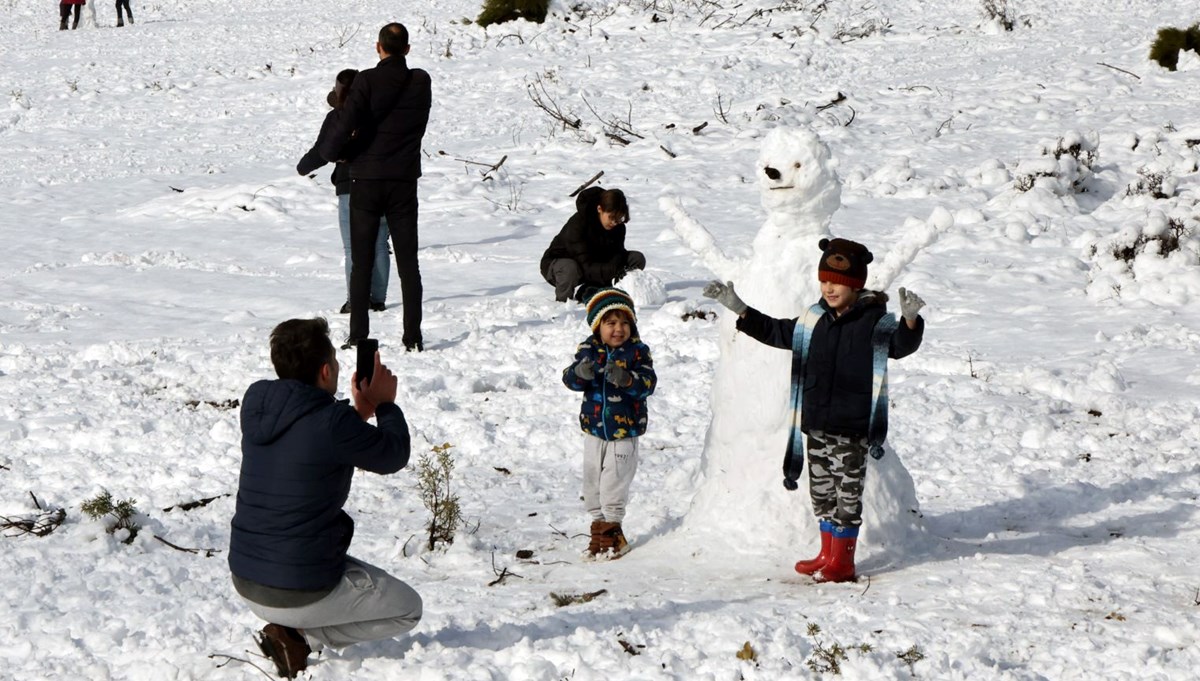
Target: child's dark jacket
(609, 412)
(838, 378)
(300, 447)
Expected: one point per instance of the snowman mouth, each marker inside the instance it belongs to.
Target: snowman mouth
(790, 186)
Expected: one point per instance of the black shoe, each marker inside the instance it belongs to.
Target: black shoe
(345, 308)
(350, 343)
(377, 306)
(585, 293)
(414, 347)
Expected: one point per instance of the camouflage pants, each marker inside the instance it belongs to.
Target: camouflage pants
(837, 467)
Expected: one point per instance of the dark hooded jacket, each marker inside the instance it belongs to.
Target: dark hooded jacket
(600, 252)
(300, 447)
(312, 160)
(839, 375)
(386, 113)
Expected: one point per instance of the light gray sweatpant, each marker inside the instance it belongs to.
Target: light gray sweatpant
(368, 604)
(608, 468)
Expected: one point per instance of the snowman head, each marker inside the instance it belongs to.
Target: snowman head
(795, 174)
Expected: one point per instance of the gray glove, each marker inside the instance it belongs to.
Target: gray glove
(910, 304)
(725, 295)
(618, 376)
(586, 369)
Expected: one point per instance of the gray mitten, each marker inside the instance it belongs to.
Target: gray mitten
(910, 304)
(618, 376)
(585, 369)
(725, 295)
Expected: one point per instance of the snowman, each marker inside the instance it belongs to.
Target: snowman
(741, 502)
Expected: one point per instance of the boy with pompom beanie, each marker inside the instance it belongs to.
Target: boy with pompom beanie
(839, 349)
(614, 371)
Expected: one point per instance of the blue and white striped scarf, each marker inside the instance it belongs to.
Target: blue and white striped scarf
(793, 461)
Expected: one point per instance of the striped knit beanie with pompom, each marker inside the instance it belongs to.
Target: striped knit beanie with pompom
(605, 300)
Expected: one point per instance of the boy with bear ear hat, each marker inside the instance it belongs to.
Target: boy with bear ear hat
(840, 348)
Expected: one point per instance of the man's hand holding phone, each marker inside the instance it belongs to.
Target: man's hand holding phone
(377, 385)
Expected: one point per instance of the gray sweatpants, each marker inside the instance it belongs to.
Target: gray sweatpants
(608, 468)
(368, 604)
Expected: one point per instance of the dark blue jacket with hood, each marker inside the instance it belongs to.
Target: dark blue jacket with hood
(300, 447)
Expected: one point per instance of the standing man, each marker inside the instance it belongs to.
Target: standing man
(289, 538)
(385, 114)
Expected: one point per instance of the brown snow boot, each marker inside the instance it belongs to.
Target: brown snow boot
(598, 543)
(285, 647)
(617, 543)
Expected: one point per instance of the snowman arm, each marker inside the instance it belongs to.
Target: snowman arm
(698, 239)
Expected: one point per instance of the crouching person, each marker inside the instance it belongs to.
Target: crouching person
(290, 536)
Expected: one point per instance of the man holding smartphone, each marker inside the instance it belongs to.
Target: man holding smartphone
(289, 539)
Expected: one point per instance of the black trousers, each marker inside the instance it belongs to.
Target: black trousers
(64, 11)
(124, 4)
(396, 200)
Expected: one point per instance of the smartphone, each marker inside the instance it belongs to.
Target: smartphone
(367, 348)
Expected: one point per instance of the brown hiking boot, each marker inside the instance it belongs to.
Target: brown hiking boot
(616, 540)
(285, 647)
(598, 543)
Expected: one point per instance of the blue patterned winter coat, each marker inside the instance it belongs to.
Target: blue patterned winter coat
(609, 412)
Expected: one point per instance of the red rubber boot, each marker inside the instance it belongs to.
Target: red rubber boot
(808, 567)
(840, 567)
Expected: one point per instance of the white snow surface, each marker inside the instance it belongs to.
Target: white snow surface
(1046, 432)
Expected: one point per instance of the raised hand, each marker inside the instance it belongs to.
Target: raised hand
(725, 295)
(910, 304)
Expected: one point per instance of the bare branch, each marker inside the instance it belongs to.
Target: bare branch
(578, 189)
(1119, 69)
(208, 553)
(542, 99)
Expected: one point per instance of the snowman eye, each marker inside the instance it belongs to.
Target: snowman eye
(797, 164)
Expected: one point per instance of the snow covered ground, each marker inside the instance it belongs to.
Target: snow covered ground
(154, 231)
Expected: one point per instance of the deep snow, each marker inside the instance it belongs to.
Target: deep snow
(1049, 422)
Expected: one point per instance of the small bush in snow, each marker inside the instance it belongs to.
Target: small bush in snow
(500, 11)
(117, 516)
(829, 659)
(1170, 41)
(433, 481)
(1156, 184)
(1002, 13)
(1161, 241)
(1065, 167)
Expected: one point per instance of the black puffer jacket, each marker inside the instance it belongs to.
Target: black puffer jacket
(300, 447)
(312, 160)
(600, 252)
(388, 106)
(837, 381)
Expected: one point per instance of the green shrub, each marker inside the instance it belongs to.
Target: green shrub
(1165, 48)
(433, 480)
(500, 11)
(116, 516)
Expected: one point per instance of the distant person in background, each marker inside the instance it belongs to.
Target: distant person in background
(589, 253)
(341, 184)
(124, 4)
(64, 13)
(288, 542)
(387, 110)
